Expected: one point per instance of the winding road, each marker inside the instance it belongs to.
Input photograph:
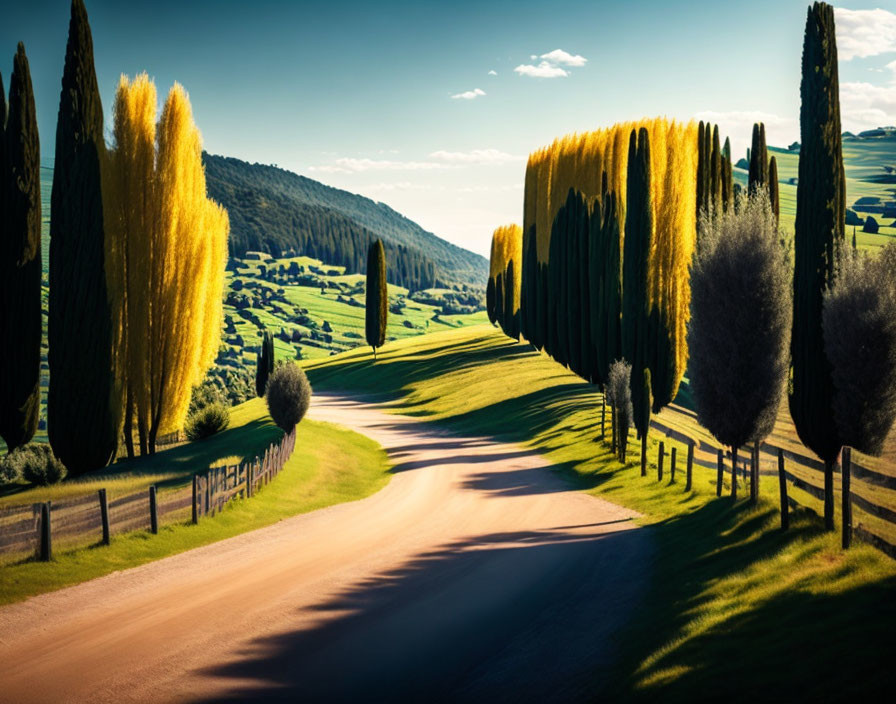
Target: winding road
(475, 574)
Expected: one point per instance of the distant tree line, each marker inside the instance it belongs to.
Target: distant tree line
(265, 220)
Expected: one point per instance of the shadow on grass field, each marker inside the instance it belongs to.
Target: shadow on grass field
(738, 608)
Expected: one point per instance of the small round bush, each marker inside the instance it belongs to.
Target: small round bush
(207, 421)
(9, 472)
(35, 463)
(289, 395)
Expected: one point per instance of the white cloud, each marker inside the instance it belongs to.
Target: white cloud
(865, 106)
(493, 73)
(543, 70)
(468, 94)
(349, 165)
(863, 33)
(558, 56)
(476, 156)
(533, 57)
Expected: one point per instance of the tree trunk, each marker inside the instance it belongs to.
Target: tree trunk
(603, 413)
(754, 474)
(734, 473)
(129, 427)
(615, 442)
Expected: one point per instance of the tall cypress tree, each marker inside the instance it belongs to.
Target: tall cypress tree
(727, 186)
(265, 364)
(490, 300)
(377, 309)
(20, 262)
(81, 420)
(774, 195)
(510, 317)
(638, 231)
(716, 172)
(758, 175)
(819, 235)
(701, 168)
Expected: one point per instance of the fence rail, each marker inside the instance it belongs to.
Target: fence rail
(40, 527)
(705, 455)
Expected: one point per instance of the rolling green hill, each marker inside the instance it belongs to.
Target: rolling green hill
(274, 210)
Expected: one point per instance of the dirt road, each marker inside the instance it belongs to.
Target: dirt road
(475, 574)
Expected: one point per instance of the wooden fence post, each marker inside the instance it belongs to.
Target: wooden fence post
(603, 415)
(104, 515)
(846, 469)
(249, 467)
(721, 465)
(672, 465)
(734, 473)
(208, 497)
(689, 478)
(46, 533)
(644, 454)
(195, 499)
(153, 510)
(782, 483)
(659, 461)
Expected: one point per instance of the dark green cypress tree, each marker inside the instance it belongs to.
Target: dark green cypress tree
(586, 345)
(819, 235)
(595, 285)
(707, 168)
(716, 173)
(265, 364)
(774, 195)
(612, 304)
(377, 308)
(701, 168)
(574, 205)
(727, 192)
(81, 419)
(758, 175)
(510, 316)
(638, 230)
(499, 300)
(490, 300)
(20, 261)
(532, 300)
(543, 306)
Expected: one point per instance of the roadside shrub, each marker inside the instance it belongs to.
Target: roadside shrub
(859, 321)
(289, 395)
(207, 421)
(9, 472)
(739, 334)
(619, 393)
(36, 464)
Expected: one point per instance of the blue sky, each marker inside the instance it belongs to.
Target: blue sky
(432, 107)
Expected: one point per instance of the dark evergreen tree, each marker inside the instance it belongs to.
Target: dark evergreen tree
(81, 418)
(716, 172)
(499, 300)
(819, 235)
(774, 196)
(264, 364)
(758, 175)
(727, 177)
(377, 309)
(490, 300)
(510, 315)
(707, 169)
(20, 261)
(574, 205)
(701, 169)
(638, 230)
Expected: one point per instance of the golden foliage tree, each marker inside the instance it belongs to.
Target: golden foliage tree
(507, 250)
(578, 162)
(166, 260)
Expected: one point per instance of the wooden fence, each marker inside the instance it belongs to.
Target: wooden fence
(93, 519)
(772, 461)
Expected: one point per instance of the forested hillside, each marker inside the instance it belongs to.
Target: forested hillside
(274, 210)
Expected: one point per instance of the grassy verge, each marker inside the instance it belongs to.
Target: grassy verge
(330, 465)
(737, 608)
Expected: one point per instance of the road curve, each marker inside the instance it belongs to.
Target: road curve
(475, 574)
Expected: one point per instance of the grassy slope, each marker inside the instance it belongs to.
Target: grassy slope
(330, 465)
(737, 607)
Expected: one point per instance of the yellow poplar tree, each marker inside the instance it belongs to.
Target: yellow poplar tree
(166, 273)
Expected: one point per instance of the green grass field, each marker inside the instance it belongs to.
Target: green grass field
(330, 465)
(735, 605)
